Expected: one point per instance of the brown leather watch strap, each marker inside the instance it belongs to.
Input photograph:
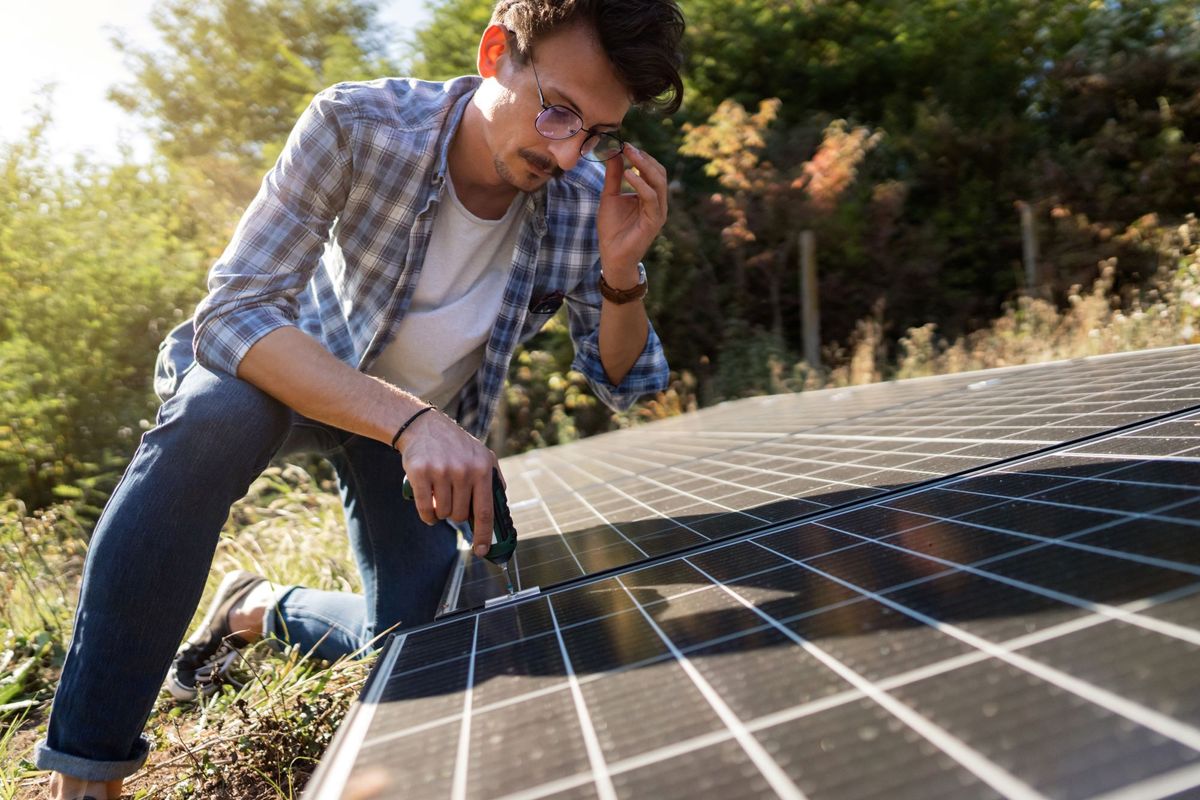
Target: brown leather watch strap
(620, 296)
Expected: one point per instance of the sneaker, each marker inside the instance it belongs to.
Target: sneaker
(205, 658)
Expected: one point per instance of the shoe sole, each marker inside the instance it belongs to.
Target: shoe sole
(172, 684)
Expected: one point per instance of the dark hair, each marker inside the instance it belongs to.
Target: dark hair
(641, 38)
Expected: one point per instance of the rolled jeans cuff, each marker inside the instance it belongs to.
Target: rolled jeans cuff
(90, 769)
(274, 628)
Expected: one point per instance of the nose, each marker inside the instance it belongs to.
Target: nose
(565, 152)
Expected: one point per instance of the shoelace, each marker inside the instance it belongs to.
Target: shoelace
(208, 670)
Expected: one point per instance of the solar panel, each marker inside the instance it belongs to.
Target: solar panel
(618, 499)
(1031, 629)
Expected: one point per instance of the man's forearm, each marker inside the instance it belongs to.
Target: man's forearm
(450, 470)
(623, 331)
(295, 369)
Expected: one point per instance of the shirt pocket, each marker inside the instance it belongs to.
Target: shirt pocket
(544, 303)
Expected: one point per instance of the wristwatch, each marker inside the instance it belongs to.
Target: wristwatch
(620, 296)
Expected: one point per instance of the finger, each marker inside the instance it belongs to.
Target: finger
(651, 199)
(461, 510)
(655, 174)
(422, 497)
(443, 497)
(481, 526)
(647, 163)
(613, 168)
(649, 168)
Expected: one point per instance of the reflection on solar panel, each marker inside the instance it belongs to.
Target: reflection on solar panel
(1029, 630)
(619, 499)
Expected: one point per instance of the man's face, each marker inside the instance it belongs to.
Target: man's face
(575, 73)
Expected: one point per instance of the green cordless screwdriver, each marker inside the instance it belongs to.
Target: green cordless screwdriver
(504, 535)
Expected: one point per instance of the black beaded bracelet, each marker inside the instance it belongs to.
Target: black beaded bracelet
(411, 419)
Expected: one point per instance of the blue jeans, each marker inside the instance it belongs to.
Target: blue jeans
(152, 549)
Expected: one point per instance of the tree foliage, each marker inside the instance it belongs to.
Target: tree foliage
(233, 76)
(97, 263)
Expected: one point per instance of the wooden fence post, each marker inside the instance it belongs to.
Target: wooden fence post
(810, 318)
(1029, 248)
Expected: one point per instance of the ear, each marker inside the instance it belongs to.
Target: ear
(492, 46)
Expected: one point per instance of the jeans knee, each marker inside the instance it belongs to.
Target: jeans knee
(212, 409)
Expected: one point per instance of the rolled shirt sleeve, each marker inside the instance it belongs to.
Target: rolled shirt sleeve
(648, 374)
(253, 288)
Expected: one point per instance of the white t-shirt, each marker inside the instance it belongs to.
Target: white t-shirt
(440, 342)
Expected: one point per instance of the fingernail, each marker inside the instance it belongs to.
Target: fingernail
(481, 550)
(633, 149)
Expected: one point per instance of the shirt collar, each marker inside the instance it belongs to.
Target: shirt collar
(535, 202)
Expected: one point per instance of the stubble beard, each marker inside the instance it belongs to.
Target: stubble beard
(511, 179)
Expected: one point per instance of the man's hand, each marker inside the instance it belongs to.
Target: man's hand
(450, 472)
(628, 222)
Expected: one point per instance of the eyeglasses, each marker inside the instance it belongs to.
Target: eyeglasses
(560, 122)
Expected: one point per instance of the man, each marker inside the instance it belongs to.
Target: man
(409, 237)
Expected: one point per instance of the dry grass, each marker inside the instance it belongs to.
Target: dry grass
(1095, 321)
(254, 743)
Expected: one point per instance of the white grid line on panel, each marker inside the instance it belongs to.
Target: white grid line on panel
(917, 440)
(604, 786)
(546, 510)
(973, 761)
(602, 518)
(770, 769)
(1029, 498)
(458, 790)
(1121, 516)
(1159, 626)
(1149, 718)
(648, 507)
(1066, 541)
(552, 787)
(816, 476)
(1083, 454)
(1130, 387)
(651, 757)
(783, 476)
(1026, 640)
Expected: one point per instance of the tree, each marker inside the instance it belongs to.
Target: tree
(768, 198)
(446, 45)
(233, 75)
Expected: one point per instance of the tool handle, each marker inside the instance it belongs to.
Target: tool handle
(504, 533)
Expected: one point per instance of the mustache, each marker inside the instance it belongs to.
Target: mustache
(541, 163)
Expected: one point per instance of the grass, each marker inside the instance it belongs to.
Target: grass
(261, 742)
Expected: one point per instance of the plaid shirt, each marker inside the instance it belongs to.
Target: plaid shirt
(335, 240)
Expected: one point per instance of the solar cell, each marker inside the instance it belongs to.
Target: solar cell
(621, 498)
(1030, 630)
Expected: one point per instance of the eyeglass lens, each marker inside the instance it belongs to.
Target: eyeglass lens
(557, 122)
